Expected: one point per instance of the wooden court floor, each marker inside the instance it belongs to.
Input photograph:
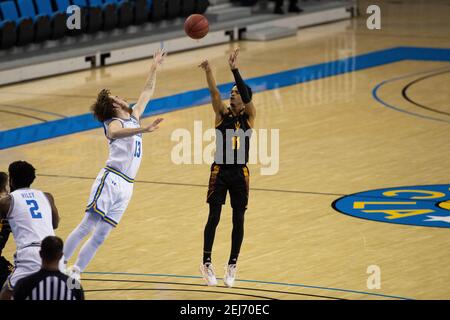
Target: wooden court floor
(335, 139)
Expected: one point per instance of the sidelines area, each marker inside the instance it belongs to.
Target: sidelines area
(74, 124)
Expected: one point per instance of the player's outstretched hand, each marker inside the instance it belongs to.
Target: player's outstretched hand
(205, 65)
(154, 125)
(159, 56)
(232, 60)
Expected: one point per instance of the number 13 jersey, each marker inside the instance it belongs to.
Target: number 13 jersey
(125, 154)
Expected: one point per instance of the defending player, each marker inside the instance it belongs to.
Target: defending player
(112, 190)
(229, 171)
(5, 266)
(32, 216)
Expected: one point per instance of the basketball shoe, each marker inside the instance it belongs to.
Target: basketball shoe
(208, 274)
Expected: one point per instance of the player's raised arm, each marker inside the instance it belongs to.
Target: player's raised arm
(149, 88)
(218, 105)
(116, 131)
(242, 87)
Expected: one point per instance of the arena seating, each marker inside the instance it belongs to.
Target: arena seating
(42, 25)
(124, 12)
(26, 21)
(141, 11)
(24, 26)
(8, 35)
(57, 18)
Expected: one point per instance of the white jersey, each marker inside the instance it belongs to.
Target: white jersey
(30, 217)
(125, 154)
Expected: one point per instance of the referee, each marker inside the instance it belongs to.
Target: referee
(49, 283)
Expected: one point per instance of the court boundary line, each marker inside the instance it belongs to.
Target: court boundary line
(377, 87)
(74, 124)
(409, 85)
(250, 281)
(32, 109)
(222, 286)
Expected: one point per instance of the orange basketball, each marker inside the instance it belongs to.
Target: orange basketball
(196, 26)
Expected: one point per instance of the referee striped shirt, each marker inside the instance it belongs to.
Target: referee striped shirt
(48, 285)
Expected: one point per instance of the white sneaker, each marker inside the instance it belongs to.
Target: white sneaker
(230, 275)
(74, 272)
(208, 274)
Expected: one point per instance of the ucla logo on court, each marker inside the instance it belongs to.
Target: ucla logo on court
(427, 206)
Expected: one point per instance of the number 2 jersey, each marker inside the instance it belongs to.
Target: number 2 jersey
(30, 217)
(125, 154)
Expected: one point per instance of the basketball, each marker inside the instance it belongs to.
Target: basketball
(196, 26)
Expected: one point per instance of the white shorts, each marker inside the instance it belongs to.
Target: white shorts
(26, 262)
(110, 195)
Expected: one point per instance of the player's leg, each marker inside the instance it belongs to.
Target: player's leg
(27, 261)
(5, 266)
(5, 270)
(7, 290)
(88, 223)
(210, 230)
(239, 199)
(89, 249)
(99, 192)
(6, 293)
(115, 200)
(217, 192)
(237, 235)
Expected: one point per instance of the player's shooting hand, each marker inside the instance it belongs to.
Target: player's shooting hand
(154, 125)
(205, 65)
(232, 60)
(159, 56)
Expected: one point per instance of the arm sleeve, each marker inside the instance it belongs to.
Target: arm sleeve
(242, 88)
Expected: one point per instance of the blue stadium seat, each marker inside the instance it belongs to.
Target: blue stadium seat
(25, 32)
(201, 6)
(93, 15)
(124, 12)
(173, 8)
(109, 13)
(141, 9)
(41, 23)
(8, 35)
(157, 10)
(57, 19)
(187, 7)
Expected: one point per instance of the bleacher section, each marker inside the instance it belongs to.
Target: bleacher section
(25, 21)
(35, 41)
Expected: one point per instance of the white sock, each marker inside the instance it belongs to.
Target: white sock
(91, 246)
(82, 230)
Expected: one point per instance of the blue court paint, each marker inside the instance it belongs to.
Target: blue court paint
(424, 206)
(69, 125)
(251, 281)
